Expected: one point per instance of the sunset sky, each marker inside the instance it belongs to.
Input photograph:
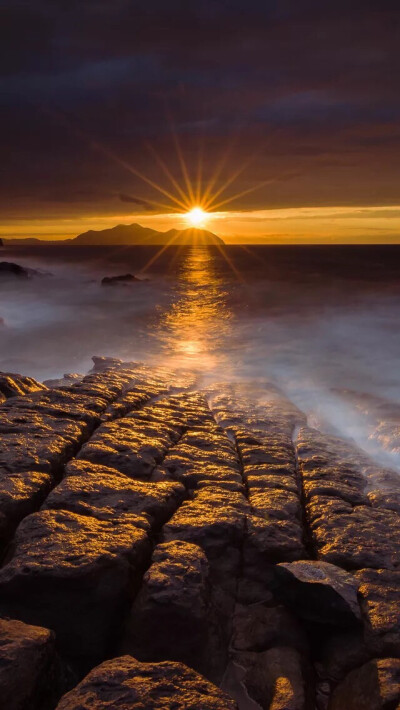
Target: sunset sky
(293, 106)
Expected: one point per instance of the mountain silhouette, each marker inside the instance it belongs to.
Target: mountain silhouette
(132, 234)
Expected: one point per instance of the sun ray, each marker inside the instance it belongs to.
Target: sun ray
(168, 173)
(230, 263)
(242, 193)
(220, 166)
(181, 158)
(158, 254)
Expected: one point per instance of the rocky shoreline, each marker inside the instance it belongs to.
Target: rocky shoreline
(166, 545)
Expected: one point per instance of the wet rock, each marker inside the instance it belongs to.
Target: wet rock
(29, 669)
(78, 573)
(258, 627)
(319, 592)
(122, 279)
(389, 500)
(268, 542)
(133, 399)
(276, 679)
(273, 503)
(32, 441)
(362, 537)
(174, 602)
(107, 385)
(68, 378)
(345, 529)
(215, 521)
(12, 385)
(106, 494)
(380, 604)
(20, 494)
(374, 686)
(10, 270)
(126, 684)
(136, 443)
(132, 446)
(330, 466)
(101, 363)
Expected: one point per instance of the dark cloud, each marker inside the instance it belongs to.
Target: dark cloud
(309, 89)
(136, 201)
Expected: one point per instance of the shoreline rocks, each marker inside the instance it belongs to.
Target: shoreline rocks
(196, 531)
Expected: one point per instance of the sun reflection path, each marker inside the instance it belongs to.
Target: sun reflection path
(196, 331)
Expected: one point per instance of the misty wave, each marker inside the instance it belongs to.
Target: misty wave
(314, 337)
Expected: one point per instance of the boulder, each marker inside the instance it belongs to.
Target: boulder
(173, 617)
(374, 686)
(30, 674)
(319, 592)
(126, 684)
(78, 574)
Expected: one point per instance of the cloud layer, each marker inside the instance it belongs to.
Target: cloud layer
(304, 96)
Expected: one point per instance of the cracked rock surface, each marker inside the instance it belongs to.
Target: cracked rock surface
(169, 545)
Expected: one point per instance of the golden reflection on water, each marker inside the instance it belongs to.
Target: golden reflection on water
(196, 329)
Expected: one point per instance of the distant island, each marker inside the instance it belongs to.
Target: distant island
(131, 235)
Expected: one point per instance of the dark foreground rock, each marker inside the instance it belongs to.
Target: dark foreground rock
(141, 515)
(76, 571)
(374, 686)
(122, 279)
(10, 270)
(126, 684)
(30, 672)
(319, 592)
(175, 601)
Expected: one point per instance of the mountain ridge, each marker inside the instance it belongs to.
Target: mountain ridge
(131, 235)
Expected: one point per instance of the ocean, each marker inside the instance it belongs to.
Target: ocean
(316, 320)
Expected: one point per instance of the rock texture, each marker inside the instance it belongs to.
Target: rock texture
(127, 684)
(199, 530)
(375, 686)
(30, 673)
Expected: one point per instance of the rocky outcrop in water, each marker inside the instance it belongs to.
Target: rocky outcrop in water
(166, 545)
(15, 271)
(123, 279)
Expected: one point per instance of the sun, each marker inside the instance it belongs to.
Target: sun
(196, 217)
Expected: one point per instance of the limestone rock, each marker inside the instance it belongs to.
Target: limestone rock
(319, 592)
(126, 684)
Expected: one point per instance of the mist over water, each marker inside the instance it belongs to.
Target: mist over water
(314, 320)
